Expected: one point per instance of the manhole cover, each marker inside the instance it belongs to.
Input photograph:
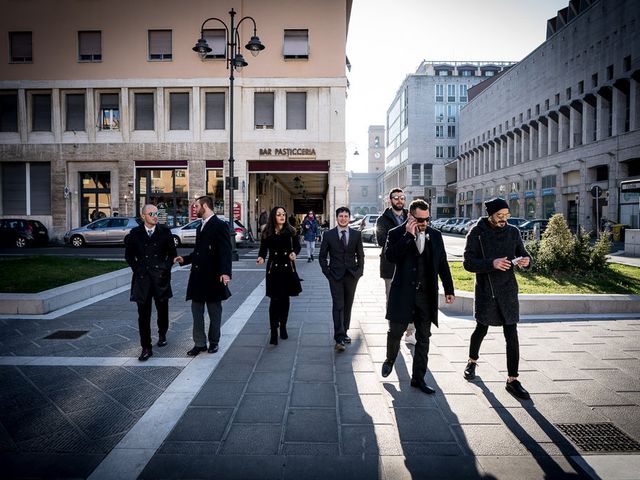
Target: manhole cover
(599, 437)
(66, 334)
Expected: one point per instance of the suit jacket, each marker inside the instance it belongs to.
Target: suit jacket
(401, 249)
(151, 259)
(341, 260)
(211, 257)
(384, 224)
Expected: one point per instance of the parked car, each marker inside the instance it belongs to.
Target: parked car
(20, 233)
(186, 234)
(369, 234)
(448, 227)
(516, 221)
(448, 222)
(437, 223)
(369, 220)
(529, 225)
(108, 231)
(464, 227)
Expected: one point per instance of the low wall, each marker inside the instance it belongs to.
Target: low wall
(60, 297)
(632, 242)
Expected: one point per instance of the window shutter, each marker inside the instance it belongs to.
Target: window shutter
(296, 110)
(263, 109)
(41, 112)
(217, 42)
(75, 112)
(109, 101)
(214, 111)
(296, 44)
(14, 193)
(90, 45)
(144, 111)
(179, 111)
(9, 112)
(40, 180)
(21, 47)
(160, 44)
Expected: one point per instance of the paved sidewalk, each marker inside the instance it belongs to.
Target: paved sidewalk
(301, 410)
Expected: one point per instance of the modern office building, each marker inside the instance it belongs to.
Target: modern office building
(105, 107)
(422, 129)
(562, 121)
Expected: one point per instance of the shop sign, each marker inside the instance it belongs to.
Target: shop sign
(548, 192)
(288, 152)
(514, 196)
(530, 194)
(236, 210)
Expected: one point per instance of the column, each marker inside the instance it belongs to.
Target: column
(160, 114)
(524, 154)
(533, 141)
(563, 131)
(543, 144)
(618, 107)
(125, 124)
(588, 123)
(552, 136)
(603, 112)
(196, 114)
(56, 123)
(634, 103)
(575, 124)
(23, 127)
(509, 159)
(90, 115)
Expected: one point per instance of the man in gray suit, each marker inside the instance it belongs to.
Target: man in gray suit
(343, 246)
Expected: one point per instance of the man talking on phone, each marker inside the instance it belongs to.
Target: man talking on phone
(420, 258)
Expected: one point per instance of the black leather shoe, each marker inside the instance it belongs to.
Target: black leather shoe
(340, 346)
(470, 371)
(309, 260)
(162, 341)
(422, 386)
(346, 339)
(387, 368)
(146, 353)
(283, 331)
(516, 389)
(213, 348)
(195, 351)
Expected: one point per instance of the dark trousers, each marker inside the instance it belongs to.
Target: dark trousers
(144, 319)
(215, 320)
(278, 311)
(513, 346)
(342, 293)
(422, 321)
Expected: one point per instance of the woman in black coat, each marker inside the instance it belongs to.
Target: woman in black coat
(280, 242)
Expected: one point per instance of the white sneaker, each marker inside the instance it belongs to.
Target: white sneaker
(410, 339)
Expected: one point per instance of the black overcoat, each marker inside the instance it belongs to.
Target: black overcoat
(496, 292)
(401, 249)
(384, 223)
(341, 260)
(211, 257)
(282, 278)
(151, 259)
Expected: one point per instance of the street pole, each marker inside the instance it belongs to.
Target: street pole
(232, 46)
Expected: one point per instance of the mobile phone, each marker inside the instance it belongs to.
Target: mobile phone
(516, 260)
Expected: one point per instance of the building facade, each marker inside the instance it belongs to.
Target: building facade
(119, 111)
(563, 120)
(422, 130)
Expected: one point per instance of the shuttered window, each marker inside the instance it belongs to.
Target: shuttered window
(144, 114)
(40, 185)
(179, 111)
(8, 111)
(90, 46)
(41, 112)
(296, 110)
(74, 109)
(296, 44)
(14, 193)
(263, 109)
(21, 47)
(217, 42)
(160, 45)
(214, 111)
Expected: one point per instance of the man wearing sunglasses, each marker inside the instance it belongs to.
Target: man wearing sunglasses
(420, 258)
(493, 250)
(150, 252)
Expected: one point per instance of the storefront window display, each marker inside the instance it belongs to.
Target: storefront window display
(167, 189)
(95, 196)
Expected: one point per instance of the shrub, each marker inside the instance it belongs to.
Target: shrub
(556, 246)
(598, 253)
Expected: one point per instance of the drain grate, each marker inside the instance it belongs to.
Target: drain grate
(66, 334)
(599, 437)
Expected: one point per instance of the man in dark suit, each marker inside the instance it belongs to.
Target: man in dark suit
(150, 252)
(209, 277)
(343, 246)
(420, 258)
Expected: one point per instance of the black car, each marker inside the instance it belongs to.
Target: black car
(21, 233)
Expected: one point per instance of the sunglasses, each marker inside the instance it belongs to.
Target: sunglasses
(422, 220)
(503, 216)
(398, 197)
(152, 214)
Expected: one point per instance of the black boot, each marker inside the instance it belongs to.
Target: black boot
(274, 332)
(283, 330)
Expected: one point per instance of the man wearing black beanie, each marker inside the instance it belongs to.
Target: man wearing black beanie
(493, 250)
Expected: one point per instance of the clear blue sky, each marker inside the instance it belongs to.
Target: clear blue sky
(389, 38)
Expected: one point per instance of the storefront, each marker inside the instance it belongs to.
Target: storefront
(95, 196)
(548, 202)
(165, 185)
(529, 205)
(514, 204)
(215, 185)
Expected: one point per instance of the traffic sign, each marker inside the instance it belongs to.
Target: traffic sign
(596, 191)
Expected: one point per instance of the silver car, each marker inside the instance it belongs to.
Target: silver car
(186, 234)
(110, 230)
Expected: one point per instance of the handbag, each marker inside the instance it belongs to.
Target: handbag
(294, 287)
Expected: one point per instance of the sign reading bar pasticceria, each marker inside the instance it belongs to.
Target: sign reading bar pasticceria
(288, 152)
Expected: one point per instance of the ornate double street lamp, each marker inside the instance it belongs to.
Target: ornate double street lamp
(235, 61)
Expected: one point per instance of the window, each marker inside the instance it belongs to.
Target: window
(26, 188)
(546, 104)
(439, 92)
(376, 142)
(415, 174)
(144, 111)
(217, 41)
(528, 116)
(215, 189)
(602, 173)
(451, 113)
(451, 93)
(41, 112)
(451, 151)
(610, 72)
(160, 45)
(442, 73)
(90, 46)
(179, 111)
(549, 181)
(594, 80)
(263, 109)
(581, 87)
(296, 44)
(439, 131)
(74, 112)
(427, 174)
(110, 111)
(20, 47)
(489, 73)
(296, 110)
(530, 184)
(466, 73)
(8, 111)
(568, 93)
(462, 89)
(439, 113)
(214, 111)
(557, 98)
(439, 151)
(626, 63)
(451, 131)
(364, 191)
(538, 109)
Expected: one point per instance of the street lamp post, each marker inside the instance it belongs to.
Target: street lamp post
(234, 61)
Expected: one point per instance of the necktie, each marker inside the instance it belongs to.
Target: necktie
(344, 238)
(149, 232)
(420, 242)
